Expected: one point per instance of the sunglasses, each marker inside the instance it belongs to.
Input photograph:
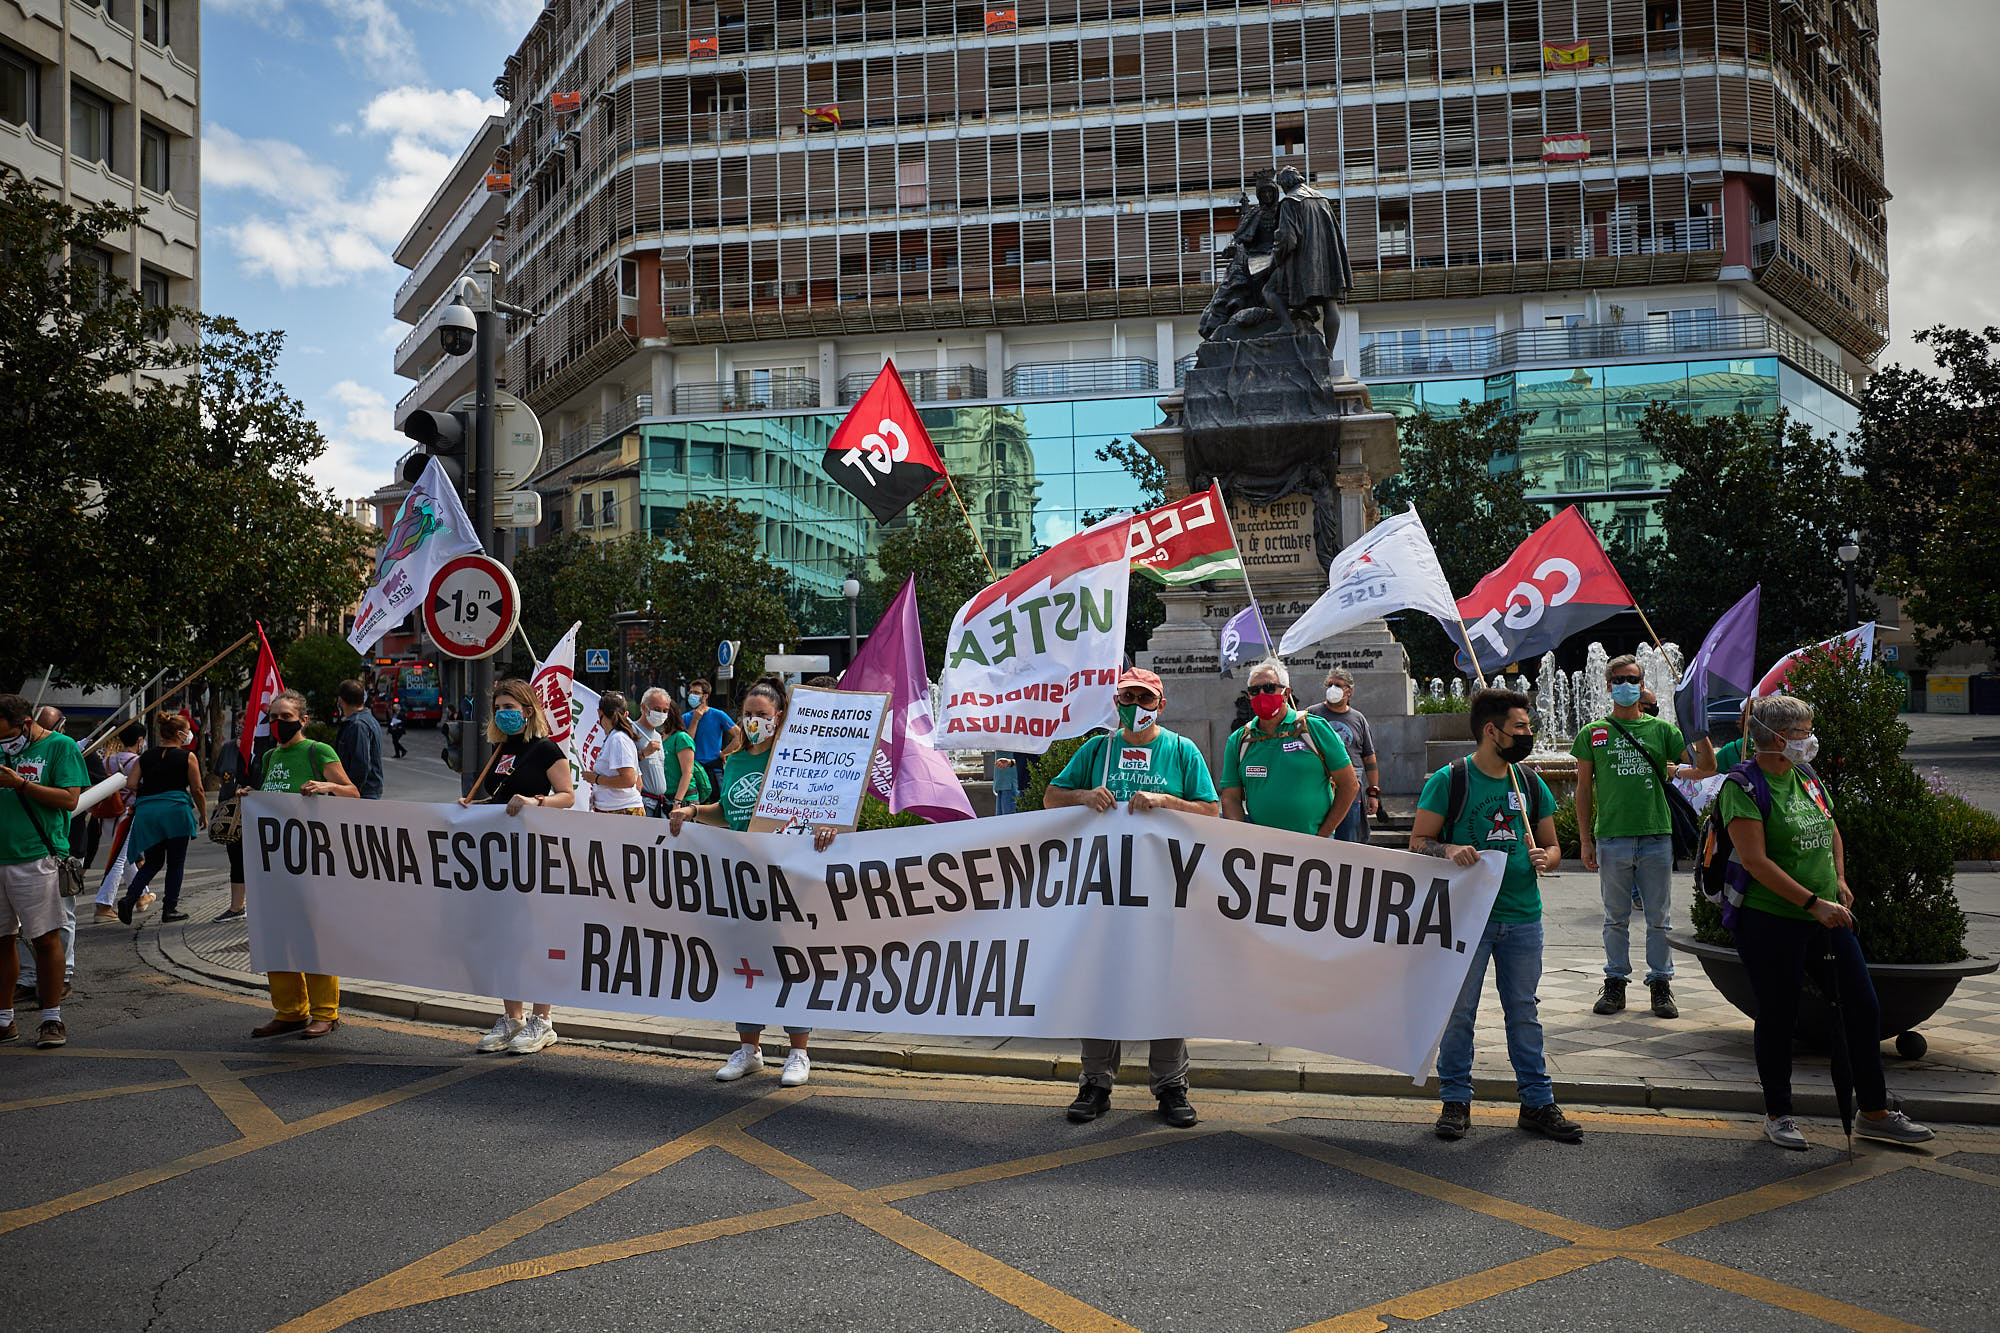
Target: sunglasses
(1628, 680)
(1267, 689)
(1135, 697)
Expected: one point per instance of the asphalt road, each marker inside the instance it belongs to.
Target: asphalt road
(1963, 749)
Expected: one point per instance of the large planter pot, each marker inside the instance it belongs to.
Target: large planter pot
(1908, 993)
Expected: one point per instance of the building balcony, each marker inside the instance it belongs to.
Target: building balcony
(949, 384)
(469, 231)
(34, 157)
(1181, 369)
(757, 394)
(450, 377)
(419, 346)
(1076, 379)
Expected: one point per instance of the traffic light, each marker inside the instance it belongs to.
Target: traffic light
(444, 436)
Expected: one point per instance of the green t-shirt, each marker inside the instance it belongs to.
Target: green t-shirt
(1169, 764)
(1798, 836)
(1628, 800)
(1728, 756)
(1285, 785)
(700, 790)
(1491, 821)
(290, 767)
(742, 784)
(52, 761)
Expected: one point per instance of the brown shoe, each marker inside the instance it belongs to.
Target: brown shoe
(10, 1032)
(319, 1027)
(278, 1027)
(52, 1034)
(105, 914)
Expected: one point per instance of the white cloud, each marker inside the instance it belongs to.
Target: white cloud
(323, 232)
(361, 436)
(368, 32)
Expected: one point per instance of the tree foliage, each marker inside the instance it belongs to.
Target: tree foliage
(1462, 474)
(1144, 611)
(572, 578)
(315, 666)
(716, 584)
(1929, 503)
(937, 547)
(1752, 500)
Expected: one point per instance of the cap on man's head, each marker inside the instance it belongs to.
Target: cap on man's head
(1144, 679)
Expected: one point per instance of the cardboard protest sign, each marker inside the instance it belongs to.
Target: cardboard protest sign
(819, 764)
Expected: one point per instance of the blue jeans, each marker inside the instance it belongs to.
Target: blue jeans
(1641, 868)
(1003, 801)
(1353, 828)
(1516, 950)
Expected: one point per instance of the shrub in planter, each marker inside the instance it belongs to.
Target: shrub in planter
(1566, 835)
(1036, 780)
(875, 814)
(1974, 834)
(1898, 849)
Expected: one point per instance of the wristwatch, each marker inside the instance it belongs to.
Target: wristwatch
(1372, 791)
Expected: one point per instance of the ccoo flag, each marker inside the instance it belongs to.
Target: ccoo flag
(1393, 567)
(1557, 582)
(880, 453)
(1728, 656)
(430, 528)
(1186, 541)
(909, 772)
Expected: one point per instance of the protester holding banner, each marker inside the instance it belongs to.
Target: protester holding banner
(1285, 768)
(742, 783)
(1148, 768)
(1472, 806)
(1359, 738)
(307, 1003)
(1626, 830)
(614, 774)
(1797, 921)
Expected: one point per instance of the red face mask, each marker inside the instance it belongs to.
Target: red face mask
(1268, 706)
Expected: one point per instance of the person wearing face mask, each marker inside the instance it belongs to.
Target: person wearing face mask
(652, 751)
(1338, 708)
(1796, 911)
(742, 784)
(1471, 806)
(527, 769)
(1149, 768)
(41, 776)
(713, 732)
(1286, 769)
(307, 1003)
(614, 774)
(1627, 832)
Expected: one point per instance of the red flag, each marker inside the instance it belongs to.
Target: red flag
(1860, 639)
(1557, 582)
(881, 454)
(265, 685)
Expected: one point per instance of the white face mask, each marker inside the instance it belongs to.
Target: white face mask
(655, 718)
(16, 743)
(1334, 694)
(760, 729)
(1803, 752)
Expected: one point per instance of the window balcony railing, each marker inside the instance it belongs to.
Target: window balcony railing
(950, 384)
(757, 395)
(1060, 379)
(479, 202)
(622, 416)
(1181, 369)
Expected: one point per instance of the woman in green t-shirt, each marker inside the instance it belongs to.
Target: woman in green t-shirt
(763, 715)
(1796, 919)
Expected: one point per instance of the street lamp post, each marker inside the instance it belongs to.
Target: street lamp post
(851, 590)
(1849, 553)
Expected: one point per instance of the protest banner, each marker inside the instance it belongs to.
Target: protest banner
(1059, 923)
(819, 764)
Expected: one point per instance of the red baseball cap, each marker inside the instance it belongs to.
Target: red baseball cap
(1142, 677)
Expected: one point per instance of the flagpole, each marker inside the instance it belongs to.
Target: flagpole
(970, 526)
(1513, 776)
(1649, 627)
(1248, 591)
(521, 630)
(105, 739)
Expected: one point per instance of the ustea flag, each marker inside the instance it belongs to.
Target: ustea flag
(1244, 639)
(1186, 541)
(1727, 658)
(1557, 582)
(430, 528)
(1860, 639)
(1392, 568)
(880, 454)
(1035, 657)
(908, 772)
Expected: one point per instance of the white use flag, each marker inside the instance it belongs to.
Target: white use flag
(1035, 657)
(1392, 568)
(430, 528)
(572, 712)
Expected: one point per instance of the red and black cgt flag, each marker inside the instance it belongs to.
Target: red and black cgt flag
(1557, 582)
(881, 454)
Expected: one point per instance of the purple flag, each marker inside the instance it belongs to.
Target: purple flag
(1244, 639)
(909, 773)
(1726, 663)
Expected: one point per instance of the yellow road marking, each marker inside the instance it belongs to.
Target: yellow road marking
(95, 1094)
(232, 1096)
(1956, 1171)
(1460, 1292)
(1811, 1303)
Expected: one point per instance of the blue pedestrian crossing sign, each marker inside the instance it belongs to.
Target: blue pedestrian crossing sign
(597, 660)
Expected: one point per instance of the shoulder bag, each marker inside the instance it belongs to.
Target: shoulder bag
(1681, 814)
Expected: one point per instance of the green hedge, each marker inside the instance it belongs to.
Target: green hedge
(1046, 766)
(1974, 834)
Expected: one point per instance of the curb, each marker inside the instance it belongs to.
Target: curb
(475, 1015)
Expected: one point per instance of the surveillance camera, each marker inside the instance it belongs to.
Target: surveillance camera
(457, 329)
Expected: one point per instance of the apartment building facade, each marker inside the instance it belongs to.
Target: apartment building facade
(100, 102)
(732, 212)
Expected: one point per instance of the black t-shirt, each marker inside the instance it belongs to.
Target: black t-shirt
(521, 768)
(163, 769)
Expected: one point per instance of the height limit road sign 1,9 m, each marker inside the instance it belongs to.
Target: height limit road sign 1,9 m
(471, 608)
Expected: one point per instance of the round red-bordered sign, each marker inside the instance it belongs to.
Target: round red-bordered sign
(471, 607)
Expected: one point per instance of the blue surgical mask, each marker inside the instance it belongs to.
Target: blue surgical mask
(510, 720)
(1626, 694)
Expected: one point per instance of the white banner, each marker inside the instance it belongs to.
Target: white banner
(1393, 567)
(1035, 657)
(430, 528)
(1060, 923)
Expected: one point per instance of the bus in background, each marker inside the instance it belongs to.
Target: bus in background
(417, 686)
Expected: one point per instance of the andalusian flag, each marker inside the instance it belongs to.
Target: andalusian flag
(1573, 56)
(1186, 541)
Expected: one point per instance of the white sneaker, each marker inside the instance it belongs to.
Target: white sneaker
(536, 1033)
(746, 1059)
(1784, 1131)
(798, 1068)
(504, 1030)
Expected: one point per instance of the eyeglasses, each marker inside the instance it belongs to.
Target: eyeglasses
(1267, 689)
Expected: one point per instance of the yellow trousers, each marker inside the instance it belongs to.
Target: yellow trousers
(293, 993)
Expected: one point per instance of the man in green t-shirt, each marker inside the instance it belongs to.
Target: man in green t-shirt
(1285, 769)
(1488, 816)
(41, 776)
(1627, 831)
(1149, 768)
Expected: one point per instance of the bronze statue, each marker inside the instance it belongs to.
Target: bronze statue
(1249, 256)
(1287, 261)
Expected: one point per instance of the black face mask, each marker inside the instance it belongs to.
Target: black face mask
(1517, 748)
(286, 729)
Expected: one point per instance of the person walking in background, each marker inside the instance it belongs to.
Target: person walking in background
(307, 1003)
(235, 780)
(614, 774)
(712, 730)
(1796, 921)
(743, 782)
(357, 739)
(1471, 806)
(27, 992)
(120, 756)
(685, 780)
(527, 769)
(1286, 769)
(1008, 771)
(41, 776)
(1147, 767)
(1338, 709)
(166, 816)
(397, 726)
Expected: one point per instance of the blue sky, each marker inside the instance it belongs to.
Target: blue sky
(326, 126)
